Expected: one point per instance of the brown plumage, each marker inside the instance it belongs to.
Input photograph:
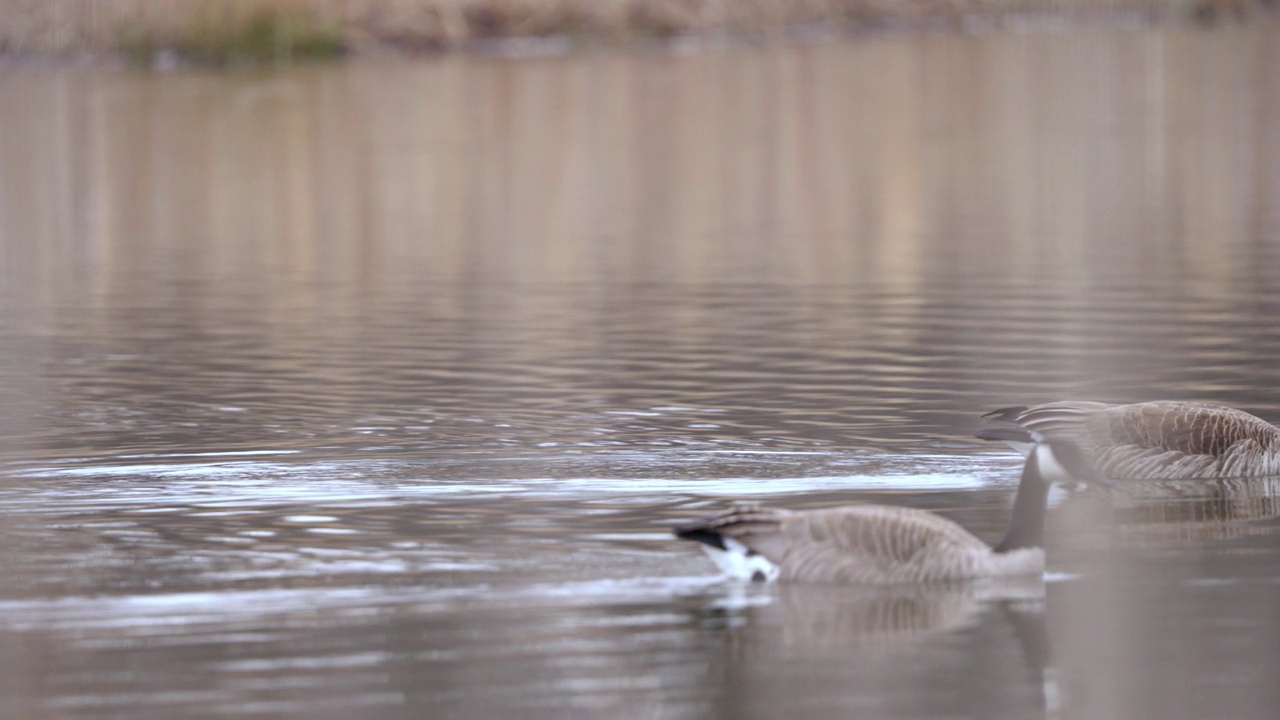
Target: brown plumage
(884, 545)
(1157, 440)
(864, 544)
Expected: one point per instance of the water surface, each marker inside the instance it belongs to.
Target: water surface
(372, 390)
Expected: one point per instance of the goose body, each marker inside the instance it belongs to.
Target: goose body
(1157, 440)
(886, 545)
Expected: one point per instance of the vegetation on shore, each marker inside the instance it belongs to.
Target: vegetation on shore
(234, 31)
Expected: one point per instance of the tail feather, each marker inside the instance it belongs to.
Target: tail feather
(1018, 438)
(699, 532)
(737, 520)
(730, 537)
(1006, 414)
(1067, 418)
(1009, 435)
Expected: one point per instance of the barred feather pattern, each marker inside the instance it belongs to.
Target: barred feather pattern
(868, 545)
(1161, 439)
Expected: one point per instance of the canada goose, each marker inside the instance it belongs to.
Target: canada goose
(1159, 440)
(884, 545)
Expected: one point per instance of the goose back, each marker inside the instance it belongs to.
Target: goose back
(1160, 439)
(864, 544)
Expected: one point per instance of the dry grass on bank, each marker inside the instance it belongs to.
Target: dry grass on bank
(218, 30)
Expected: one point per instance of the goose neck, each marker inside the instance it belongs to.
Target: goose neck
(1026, 524)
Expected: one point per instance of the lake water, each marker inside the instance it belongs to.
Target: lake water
(372, 390)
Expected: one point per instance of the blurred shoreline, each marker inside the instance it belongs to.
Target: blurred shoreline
(229, 32)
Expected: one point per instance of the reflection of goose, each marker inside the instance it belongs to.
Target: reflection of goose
(1163, 439)
(837, 616)
(872, 643)
(1212, 509)
(1029, 625)
(883, 545)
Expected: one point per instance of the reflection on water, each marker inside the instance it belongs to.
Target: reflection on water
(846, 645)
(810, 620)
(373, 390)
(853, 245)
(1207, 510)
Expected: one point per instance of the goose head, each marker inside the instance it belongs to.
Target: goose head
(1049, 459)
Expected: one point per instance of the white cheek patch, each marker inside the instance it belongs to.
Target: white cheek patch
(1050, 468)
(1025, 448)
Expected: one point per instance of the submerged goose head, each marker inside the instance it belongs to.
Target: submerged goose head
(884, 545)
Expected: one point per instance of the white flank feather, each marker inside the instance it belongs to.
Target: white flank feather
(1050, 468)
(1024, 448)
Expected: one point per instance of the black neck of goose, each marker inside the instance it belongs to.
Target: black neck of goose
(1026, 526)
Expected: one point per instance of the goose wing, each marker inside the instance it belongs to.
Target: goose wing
(872, 544)
(1160, 439)
(1064, 419)
(878, 544)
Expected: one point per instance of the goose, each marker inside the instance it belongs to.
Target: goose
(1158, 440)
(888, 545)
